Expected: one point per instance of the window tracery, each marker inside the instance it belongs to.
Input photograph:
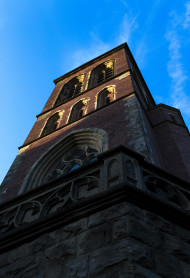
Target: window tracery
(101, 73)
(51, 124)
(77, 157)
(70, 89)
(73, 151)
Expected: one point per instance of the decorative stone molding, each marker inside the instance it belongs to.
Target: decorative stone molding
(93, 138)
(79, 106)
(116, 176)
(105, 96)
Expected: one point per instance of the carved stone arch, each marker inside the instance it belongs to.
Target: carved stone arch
(78, 110)
(105, 96)
(87, 143)
(70, 89)
(101, 73)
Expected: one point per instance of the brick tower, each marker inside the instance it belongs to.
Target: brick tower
(100, 187)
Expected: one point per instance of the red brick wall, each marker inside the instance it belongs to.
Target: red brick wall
(110, 118)
(123, 88)
(173, 140)
(151, 140)
(174, 145)
(162, 113)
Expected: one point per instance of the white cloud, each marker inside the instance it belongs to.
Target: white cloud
(143, 47)
(141, 52)
(175, 66)
(129, 24)
(96, 48)
(186, 23)
(127, 31)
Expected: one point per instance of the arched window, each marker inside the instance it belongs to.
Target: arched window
(105, 96)
(101, 73)
(75, 150)
(78, 111)
(70, 89)
(51, 124)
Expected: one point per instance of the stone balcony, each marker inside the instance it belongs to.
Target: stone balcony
(119, 175)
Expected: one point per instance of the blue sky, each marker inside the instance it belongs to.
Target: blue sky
(41, 40)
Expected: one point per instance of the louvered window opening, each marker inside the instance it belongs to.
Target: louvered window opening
(75, 90)
(68, 91)
(104, 75)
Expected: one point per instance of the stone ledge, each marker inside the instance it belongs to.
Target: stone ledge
(123, 177)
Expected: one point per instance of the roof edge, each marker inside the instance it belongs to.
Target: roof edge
(123, 45)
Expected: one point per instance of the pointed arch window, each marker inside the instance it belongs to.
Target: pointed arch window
(70, 89)
(51, 124)
(101, 73)
(105, 96)
(78, 111)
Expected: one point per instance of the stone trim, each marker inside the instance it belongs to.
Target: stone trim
(120, 175)
(85, 91)
(88, 114)
(90, 136)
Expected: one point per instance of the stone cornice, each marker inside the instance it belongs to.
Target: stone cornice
(135, 181)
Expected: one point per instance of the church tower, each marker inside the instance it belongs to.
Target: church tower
(100, 187)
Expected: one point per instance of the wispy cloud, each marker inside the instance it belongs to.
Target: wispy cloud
(127, 31)
(141, 52)
(128, 26)
(175, 67)
(186, 23)
(143, 47)
(176, 72)
(96, 48)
